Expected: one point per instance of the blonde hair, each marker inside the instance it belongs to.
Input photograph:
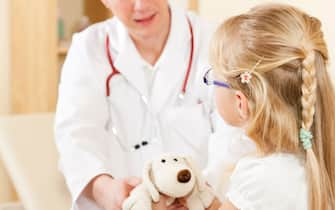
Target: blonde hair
(290, 89)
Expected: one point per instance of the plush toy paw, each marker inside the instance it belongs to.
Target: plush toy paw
(139, 199)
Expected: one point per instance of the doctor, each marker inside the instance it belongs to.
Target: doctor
(131, 88)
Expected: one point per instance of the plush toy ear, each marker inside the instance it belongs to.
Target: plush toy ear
(202, 191)
(148, 183)
(201, 185)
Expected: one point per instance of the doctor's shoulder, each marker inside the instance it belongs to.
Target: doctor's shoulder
(202, 25)
(87, 53)
(92, 40)
(203, 31)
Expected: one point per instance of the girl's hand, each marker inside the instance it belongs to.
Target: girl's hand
(179, 204)
(110, 193)
(162, 204)
(217, 205)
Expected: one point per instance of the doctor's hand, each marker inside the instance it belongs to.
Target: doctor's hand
(109, 193)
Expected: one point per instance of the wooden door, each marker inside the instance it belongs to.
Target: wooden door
(34, 70)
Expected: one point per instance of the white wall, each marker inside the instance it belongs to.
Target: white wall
(218, 10)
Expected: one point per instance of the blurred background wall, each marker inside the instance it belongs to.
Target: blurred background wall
(70, 11)
(218, 10)
(6, 189)
(4, 56)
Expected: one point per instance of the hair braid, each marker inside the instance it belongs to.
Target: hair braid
(308, 88)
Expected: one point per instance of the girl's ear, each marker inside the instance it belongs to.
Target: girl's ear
(242, 105)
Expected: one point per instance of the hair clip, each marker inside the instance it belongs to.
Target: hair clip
(246, 77)
(306, 138)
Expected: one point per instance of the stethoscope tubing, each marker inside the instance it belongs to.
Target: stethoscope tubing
(116, 72)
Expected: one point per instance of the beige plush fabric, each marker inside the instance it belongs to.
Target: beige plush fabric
(30, 157)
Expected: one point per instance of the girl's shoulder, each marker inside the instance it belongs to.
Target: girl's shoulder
(275, 182)
(284, 162)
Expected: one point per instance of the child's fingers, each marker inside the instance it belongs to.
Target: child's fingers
(133, 181)
(183, 201)
(178, 205)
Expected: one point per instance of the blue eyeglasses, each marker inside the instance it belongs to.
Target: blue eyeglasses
(209, 80)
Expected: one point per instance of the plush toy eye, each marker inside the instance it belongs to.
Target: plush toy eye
(175, 159)
(163, 160)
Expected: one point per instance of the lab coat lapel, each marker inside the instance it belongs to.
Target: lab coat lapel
(173, 62)
(129, 63)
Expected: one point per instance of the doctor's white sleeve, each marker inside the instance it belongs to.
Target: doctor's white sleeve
(81, 116)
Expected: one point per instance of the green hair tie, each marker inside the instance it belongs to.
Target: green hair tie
(306, 138)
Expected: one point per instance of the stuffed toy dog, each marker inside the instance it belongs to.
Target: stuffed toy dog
(174, 176)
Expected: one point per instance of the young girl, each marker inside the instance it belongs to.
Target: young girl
(271, 79)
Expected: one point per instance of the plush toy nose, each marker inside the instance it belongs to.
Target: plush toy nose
(184, 176)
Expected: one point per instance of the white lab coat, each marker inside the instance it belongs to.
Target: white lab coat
(83, 133)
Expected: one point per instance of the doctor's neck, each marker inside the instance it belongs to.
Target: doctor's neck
(150, 47)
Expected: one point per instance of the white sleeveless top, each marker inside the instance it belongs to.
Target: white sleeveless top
(275, 182)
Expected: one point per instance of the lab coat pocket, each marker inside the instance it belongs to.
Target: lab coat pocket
(191, 123)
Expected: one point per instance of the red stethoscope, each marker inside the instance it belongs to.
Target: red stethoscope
(115, 71)
(146, 139)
